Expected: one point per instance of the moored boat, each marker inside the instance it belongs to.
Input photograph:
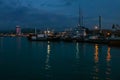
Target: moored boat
(45, 36)
(37, 37)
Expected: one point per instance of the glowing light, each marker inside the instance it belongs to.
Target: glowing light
(108, 33)
(96, 27)
(48, 31)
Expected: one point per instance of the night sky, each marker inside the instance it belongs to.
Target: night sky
(57, 13)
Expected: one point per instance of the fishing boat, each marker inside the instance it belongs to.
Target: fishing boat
(45, 36)
(97, 39)
(37, 37)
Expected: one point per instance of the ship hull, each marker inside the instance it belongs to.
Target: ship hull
(114, 43)
(31, 38)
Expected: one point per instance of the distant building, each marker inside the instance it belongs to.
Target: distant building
(18, 30)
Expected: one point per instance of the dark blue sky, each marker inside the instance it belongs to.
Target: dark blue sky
(54, 11)
(70, 7)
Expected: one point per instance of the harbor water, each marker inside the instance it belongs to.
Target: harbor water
(21, 59)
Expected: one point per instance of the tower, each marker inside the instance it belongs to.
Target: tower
(18, 30)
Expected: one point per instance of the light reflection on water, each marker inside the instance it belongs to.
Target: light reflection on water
(96, 65)
(56, 60)
(108, 68)
(97, 69)
(48, 70)
(108, 58)
(47, 66)
(96, 58)
(77, 51)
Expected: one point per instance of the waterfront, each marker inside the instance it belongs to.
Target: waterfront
(21, 59)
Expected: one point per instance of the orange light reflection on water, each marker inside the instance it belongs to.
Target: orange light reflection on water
(96, 53)
(108, 68)
(108, 58)
(96, 60)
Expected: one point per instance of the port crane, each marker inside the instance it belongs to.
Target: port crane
(116, 30)
(116, 27)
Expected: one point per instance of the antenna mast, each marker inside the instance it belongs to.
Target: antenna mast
(80, 21)
(100, 24)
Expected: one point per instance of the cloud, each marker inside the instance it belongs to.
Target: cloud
(31, 17)
(69, 2)
(91, 8)
(52, 5)
(1, 2)
(58, 3)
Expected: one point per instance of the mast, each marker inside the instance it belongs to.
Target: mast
(35, 31)
(82, 23)
(100, 24)
(80, 20)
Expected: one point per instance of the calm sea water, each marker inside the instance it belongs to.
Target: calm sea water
(21, 59)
